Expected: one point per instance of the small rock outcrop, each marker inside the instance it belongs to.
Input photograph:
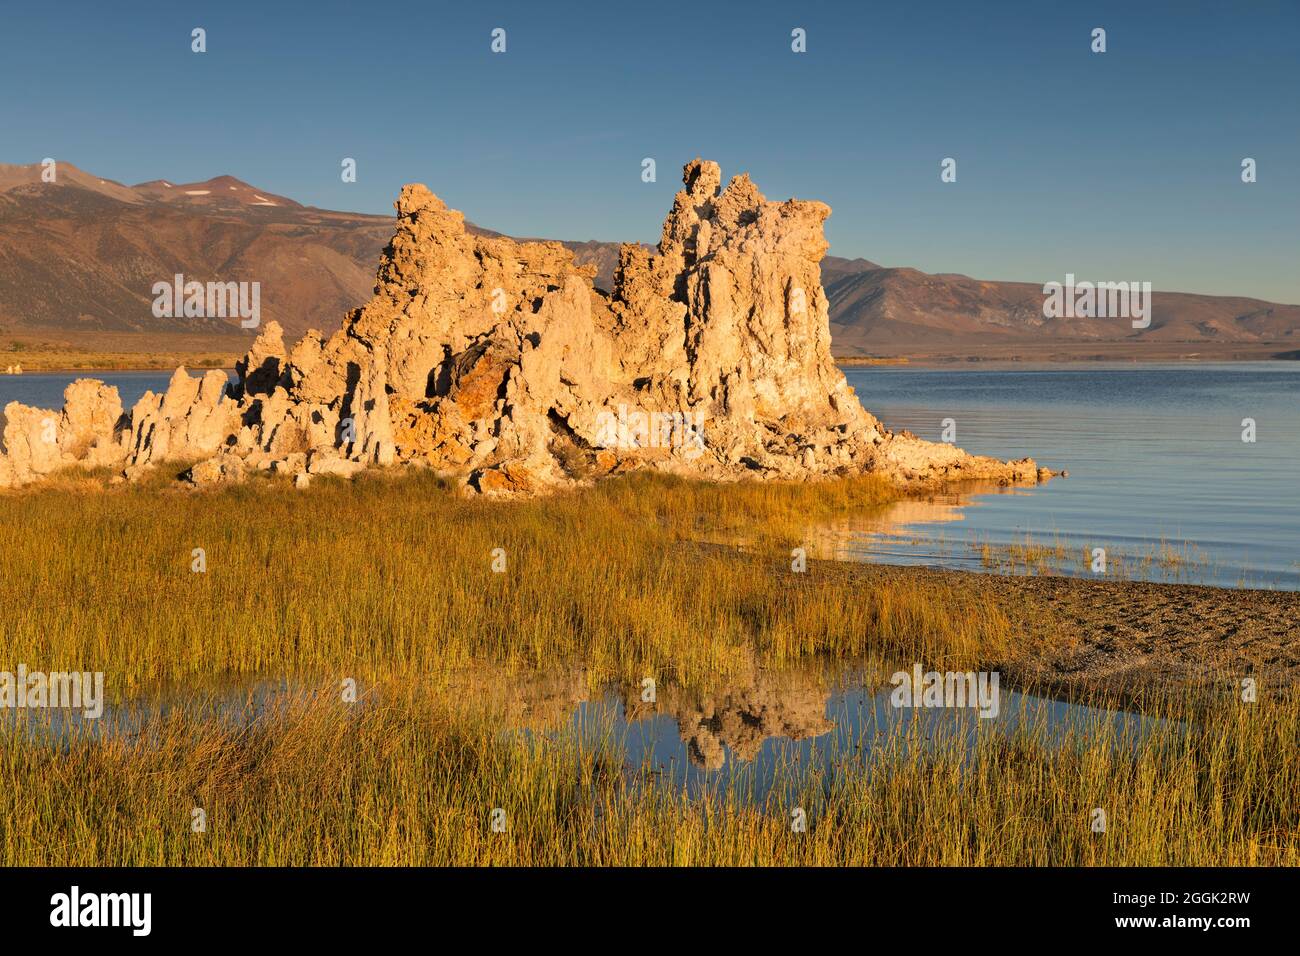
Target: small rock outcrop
(498, 362)
(90, 432)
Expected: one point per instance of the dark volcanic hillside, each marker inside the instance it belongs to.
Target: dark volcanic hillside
(82, 255)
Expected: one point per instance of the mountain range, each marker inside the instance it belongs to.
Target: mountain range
(79, 257)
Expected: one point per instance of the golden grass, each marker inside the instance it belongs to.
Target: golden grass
(390, 581)
(46, 360)
(384, 577)
(860, 360)
(1168, 561)
(407, 782)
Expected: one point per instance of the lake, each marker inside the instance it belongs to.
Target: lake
(1159, 474)
(45, 389)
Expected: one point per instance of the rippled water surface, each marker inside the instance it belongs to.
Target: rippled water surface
(1159, 474)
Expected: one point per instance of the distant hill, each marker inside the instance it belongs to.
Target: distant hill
(224, 192)
(877, 310)
(80, 256)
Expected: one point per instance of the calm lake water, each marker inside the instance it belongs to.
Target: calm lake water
(756, 737)
(1159, 474)
(45, 389)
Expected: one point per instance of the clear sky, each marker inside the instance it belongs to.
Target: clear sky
(1117, 166)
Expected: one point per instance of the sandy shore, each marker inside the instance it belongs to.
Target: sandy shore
(1129, 637)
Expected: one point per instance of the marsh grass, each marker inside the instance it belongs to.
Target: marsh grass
(389, 581)
(48, 357)
(1167, 561)
(411, 781)
(394, 576)
(1026, 557)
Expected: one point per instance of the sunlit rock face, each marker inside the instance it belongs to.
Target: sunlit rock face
(498, 363)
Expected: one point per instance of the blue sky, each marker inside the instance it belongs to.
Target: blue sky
(1114, 166)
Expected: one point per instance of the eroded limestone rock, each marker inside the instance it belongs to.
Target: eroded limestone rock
(497, 362)
(90, 432)
(194, 418)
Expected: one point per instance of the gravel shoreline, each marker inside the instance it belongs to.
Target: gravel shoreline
(1130, 637)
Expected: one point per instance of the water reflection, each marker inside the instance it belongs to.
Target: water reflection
(789, 728)
(734, 721)
(769, 731)
(739, 738)
(944, 530)
(909, 528)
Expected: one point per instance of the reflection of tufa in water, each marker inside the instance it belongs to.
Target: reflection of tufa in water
(537, 701)
(739, 737)
(739, 719)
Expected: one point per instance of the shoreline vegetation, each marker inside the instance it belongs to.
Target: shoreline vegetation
(397, 582)
(1066, 352)
(119, 353)
(119, 363)
(123, 352)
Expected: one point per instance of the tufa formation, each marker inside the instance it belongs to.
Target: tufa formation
(498, 362)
